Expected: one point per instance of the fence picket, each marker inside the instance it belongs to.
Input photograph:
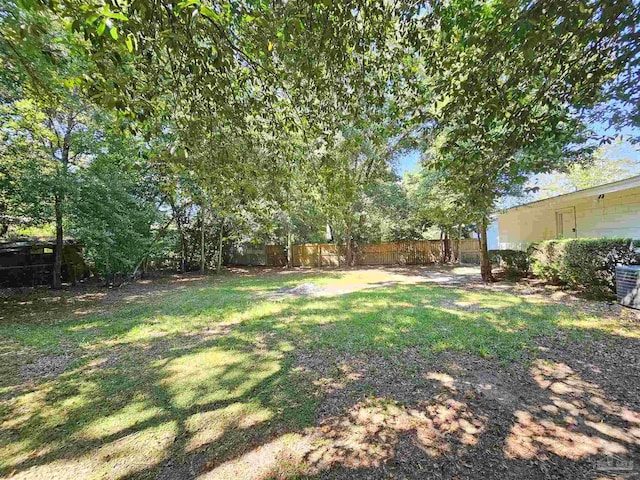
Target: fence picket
(410, 252)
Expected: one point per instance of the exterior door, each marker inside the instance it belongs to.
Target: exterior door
(566, 223)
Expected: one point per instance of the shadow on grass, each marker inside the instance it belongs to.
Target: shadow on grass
(206, 382)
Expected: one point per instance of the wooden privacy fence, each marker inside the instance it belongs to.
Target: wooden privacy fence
(469, 250)
(411, 252)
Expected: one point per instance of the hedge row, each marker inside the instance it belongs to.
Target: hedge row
(515, 262)
(585, 263)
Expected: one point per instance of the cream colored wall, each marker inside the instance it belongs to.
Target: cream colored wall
(615, 215)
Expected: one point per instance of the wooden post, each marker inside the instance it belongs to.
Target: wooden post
(219, 266)
(447, 247)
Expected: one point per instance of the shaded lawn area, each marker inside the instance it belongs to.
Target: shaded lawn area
(233, 378)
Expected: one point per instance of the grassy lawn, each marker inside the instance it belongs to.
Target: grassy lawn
(184, 379)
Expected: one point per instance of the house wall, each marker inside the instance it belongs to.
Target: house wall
(492, 235)
(615, 215)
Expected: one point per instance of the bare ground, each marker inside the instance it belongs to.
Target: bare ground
(460, 416)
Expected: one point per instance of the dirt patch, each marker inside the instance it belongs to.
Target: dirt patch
(46, 366)
(462, 416)
(349, 378)
(535, 289)
(302, 290)
(611, 362)
(410, 377)
(169, 470)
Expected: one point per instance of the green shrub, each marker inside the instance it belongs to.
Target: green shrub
(546, 259)
(515, 262)
(585, 263)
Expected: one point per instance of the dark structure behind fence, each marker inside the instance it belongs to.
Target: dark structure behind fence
(27, 263)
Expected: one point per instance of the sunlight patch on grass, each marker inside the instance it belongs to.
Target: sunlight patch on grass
(15, 453)
(127, 417)
(36, 403)
(84, 326)
(176, 324)
(358, 276)
(115, 460)
(491, 300)
(215, 375)
(596, 325)
(257, 311)
(207, 427)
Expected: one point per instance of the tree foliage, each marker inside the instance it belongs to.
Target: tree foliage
(506, 81)
(210, 122)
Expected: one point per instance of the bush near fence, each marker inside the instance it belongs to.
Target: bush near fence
(584, 263)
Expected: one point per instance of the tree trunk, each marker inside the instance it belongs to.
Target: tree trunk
(64, 161)
(485, 264)
(57, 258)
(459, 259)
(219, 266)
(183, 249)
(289, 248)
(4, 223)
(446, 248)
(355, 252)
(177, 216)
(202, 262)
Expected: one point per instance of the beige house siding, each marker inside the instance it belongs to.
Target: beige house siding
(596, 212)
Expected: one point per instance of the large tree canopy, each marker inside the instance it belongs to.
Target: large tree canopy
(287, 116)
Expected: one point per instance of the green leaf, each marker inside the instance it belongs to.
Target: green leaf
(297, 24)
(188, 3)
(208, 12)
(129, 43)
(117, 16)
(114, 33)
(102, 26)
